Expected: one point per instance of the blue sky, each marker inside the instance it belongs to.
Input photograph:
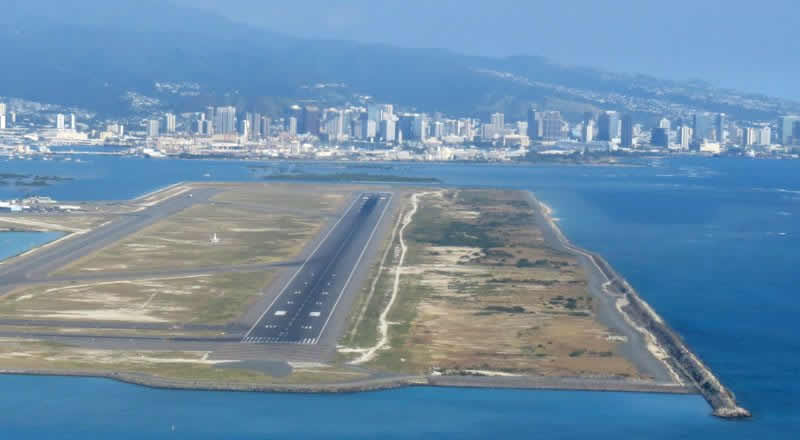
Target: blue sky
(748, 45)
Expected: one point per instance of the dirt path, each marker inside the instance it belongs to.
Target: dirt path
(383, 323)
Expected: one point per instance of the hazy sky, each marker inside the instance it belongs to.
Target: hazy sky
(750, 45)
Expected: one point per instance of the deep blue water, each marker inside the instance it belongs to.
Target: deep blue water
(713, 244)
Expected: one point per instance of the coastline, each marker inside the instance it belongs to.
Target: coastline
(607, 384)
(663, 343)
(376, 384)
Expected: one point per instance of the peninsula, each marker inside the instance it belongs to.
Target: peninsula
(304, 287)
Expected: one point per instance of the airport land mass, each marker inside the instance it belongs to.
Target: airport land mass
(303, 287)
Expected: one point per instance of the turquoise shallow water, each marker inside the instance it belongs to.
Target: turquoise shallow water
(711, 243)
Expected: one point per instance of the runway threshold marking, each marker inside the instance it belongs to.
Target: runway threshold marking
(300, 269)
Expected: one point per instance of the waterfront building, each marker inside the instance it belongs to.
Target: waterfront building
(765, 136)
(153, 128)
(534, 125)
(311, 120)
(170, 120)
(721, 128)
(702, 127)
(60, 121)
(664, 123)
(498, 123)
(607, 126)
(388, 129)
(2, 121)
(225, 120)
(659, 137)
(587, 132)
(627, 131)
(786, 130)
(266, 126)
(684, 136)
(292, 129)
(552, 125)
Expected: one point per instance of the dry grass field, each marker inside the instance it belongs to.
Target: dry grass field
(200, 299)
(481, 292)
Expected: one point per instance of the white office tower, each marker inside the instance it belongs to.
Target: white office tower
(3, 108)
(153, 128)
(2, 121)
(292, 126)
(72, 123)
(664, 123)
(225, 120)
(498, 123)
(60, 121)
(765, 136)
(171, 123)
(587, 134)
(684, 137)
(244, 128)
(388, 129)
(374, 112)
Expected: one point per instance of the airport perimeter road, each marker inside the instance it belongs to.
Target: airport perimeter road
(300, 313)
(39, 264)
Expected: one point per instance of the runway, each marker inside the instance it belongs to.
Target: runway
(39, 264)
(303, 309)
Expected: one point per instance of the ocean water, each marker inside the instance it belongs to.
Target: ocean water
(15, 243)
(713, 244)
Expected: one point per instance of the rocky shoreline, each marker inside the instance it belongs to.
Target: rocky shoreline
(379, 384)
(665, 344)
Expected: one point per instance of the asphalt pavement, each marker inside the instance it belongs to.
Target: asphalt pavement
(302, 310)
(39, 264)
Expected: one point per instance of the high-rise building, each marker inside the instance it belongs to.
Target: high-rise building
(60, 121)
(72, 124)
(608, 126)
(388, 129)
(587, 132)
(244, 128)
(552, 125)
(311, 120)
(266, 126)
(256, 126)
(659, 137)
(721, 128)
(664, 123)
(3, 108)
(749, 136)
(534, 126)
(498, 123)
(627, 131)
(420, 128)
(786, 130)
(765, 136)
(795, 131)
(2, 121)
(170, 120)
(684, 136)
(170, 123)
(703, 127)
(153, 128)
(225, 120)
(292, 129)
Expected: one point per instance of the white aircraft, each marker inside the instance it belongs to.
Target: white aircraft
(214, 239)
